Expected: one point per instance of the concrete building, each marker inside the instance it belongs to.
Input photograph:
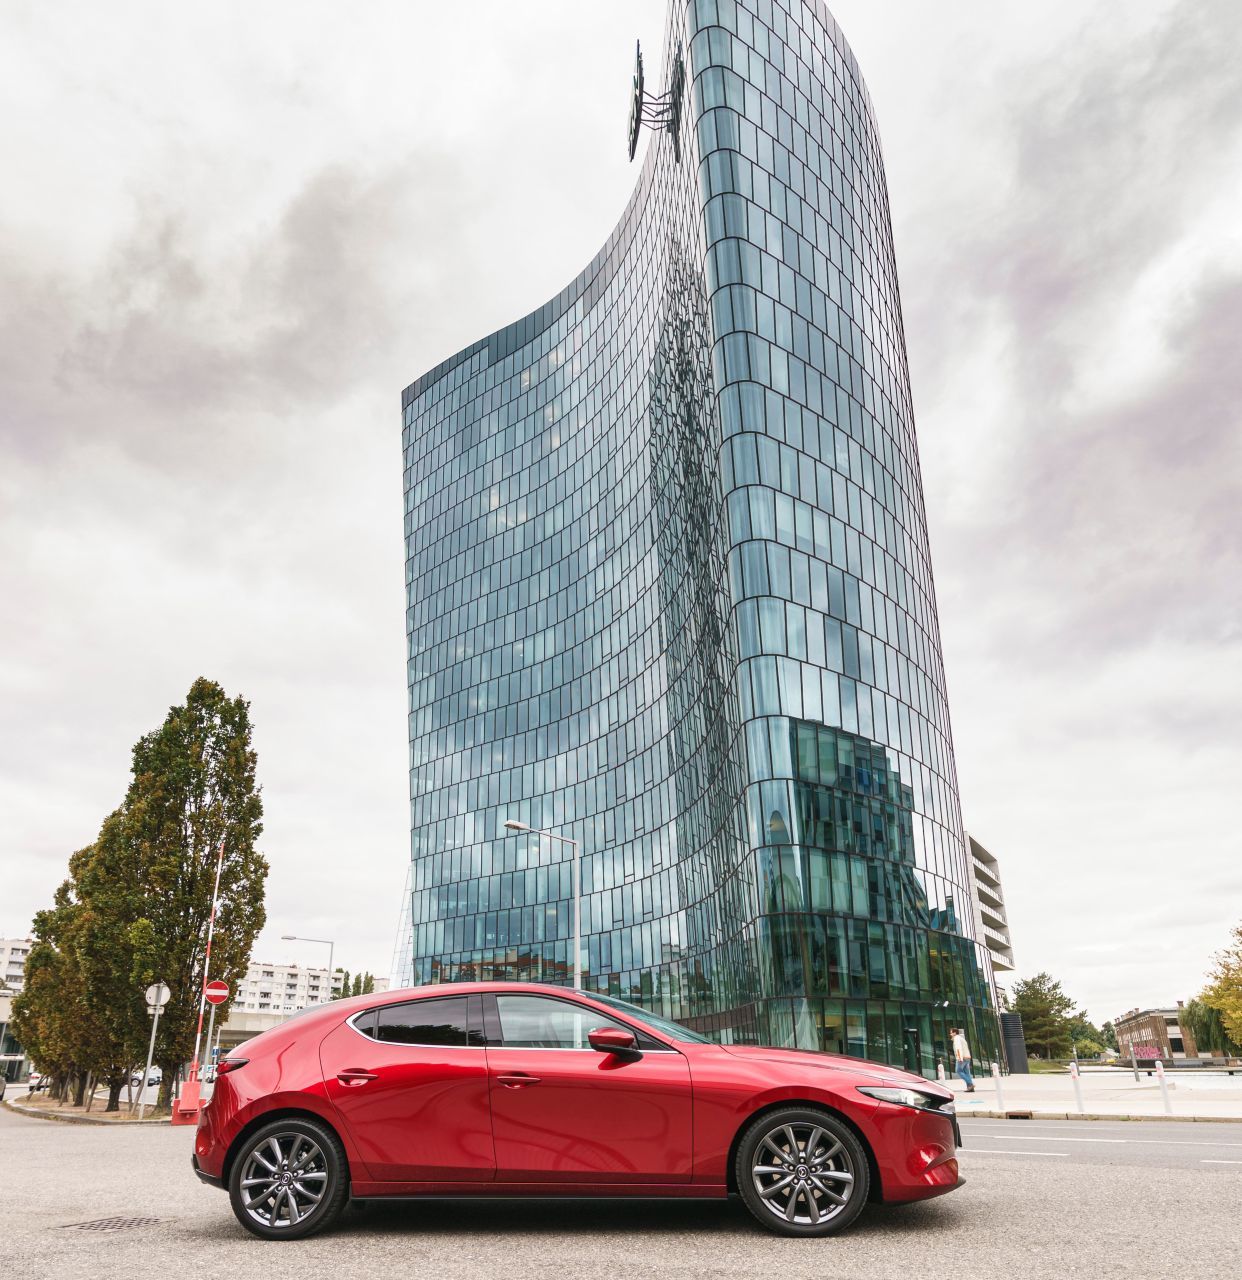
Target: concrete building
(13, 953)
(13, 1062)
(988, 898)
(1155, 1033)
(270, 993)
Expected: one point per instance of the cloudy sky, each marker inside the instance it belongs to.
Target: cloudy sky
(230, 234)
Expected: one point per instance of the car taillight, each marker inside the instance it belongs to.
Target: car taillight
(226, 1065)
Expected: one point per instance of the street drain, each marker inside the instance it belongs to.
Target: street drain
(111, 1224)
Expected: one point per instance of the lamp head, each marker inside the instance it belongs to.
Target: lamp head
(513, 825)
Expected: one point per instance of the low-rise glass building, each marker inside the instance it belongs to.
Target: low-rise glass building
(670, 594)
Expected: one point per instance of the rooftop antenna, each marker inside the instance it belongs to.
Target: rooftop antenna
(657, 110)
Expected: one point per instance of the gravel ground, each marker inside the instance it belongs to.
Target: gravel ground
(1086, 1213)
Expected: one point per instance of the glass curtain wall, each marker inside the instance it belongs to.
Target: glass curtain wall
(669, 593)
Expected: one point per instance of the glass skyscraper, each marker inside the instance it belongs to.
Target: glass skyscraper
(669, 593)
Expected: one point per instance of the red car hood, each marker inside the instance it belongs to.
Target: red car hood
(877, 1071)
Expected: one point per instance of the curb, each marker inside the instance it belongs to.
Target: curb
(64, 1119)
(1020, 1113)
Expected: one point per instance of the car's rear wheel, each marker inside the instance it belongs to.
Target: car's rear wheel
(289, 1180)
(802, 1172)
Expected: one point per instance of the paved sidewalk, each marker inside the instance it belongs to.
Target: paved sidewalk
(1107, 1092)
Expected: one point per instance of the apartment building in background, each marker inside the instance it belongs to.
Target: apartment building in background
(988, 898)
(13, 953)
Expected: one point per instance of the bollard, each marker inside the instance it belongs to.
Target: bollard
(940, 1070)
(1164, 1088)
(1000, 1089)
(1134, 1064)
(1073, 1068)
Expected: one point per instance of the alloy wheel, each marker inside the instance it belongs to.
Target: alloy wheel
(283, 1180)
(803, 1174)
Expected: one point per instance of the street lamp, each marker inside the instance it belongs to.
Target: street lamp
(327, 942)
(513, 825)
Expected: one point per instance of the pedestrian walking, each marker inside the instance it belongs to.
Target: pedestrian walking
(961, 1054)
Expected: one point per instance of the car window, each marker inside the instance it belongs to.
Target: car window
(428, 1022)
(542, 1022)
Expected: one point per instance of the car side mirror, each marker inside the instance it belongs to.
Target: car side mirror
(612, 1040)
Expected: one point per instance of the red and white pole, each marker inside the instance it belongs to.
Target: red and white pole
(211, 929)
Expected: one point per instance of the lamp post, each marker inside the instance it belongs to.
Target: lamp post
(514, 825)
(327, 942)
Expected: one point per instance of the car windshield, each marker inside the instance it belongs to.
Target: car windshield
(674, 1030)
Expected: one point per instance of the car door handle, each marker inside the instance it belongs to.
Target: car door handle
(355, 1076)
(518, 1080)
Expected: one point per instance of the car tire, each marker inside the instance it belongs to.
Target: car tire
(276, 1176)
(802, 1172)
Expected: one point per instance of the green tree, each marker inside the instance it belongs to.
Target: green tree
(109, 952)
(1224, 993)
(1109, 1032)
(193, 790)
(368, 985)
(44, 1013)
(1206, 1024)
(1047, 1014)
(344, 985)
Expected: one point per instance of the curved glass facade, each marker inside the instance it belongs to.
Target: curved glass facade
(670, 594)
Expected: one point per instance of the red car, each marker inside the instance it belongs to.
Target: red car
(517, 1089)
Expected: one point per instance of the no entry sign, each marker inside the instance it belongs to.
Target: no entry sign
(216, 992)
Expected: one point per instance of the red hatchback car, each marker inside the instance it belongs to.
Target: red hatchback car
(517, 1089)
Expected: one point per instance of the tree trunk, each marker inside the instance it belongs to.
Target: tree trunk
(79, 1095)
(90, 1090)
(115, 1085)
(168, 1071)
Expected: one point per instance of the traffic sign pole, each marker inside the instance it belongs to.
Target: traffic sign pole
(157, 997)
(215, 993)
(211, 1029)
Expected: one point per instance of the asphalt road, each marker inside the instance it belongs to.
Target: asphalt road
(1120, 1199)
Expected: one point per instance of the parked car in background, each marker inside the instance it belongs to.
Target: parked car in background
(36, 1080)
(519, 1089)
(3, 1083)
(156, 1077)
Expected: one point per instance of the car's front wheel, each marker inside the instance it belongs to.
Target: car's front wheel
(802, 1172)
(289, 1180)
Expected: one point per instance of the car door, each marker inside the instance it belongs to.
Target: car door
(562, 1112)
(410, 1082)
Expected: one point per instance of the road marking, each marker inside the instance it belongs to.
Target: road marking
(1140, 1142)
(998, 1151)
(1037, 1137)
(1220, 1161)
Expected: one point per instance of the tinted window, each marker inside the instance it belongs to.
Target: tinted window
(438, 1022)
(539, 1022)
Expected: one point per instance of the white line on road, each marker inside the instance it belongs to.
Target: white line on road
(1141, 1142)
(1037, 1137)
(997, 1151)
(1220, 1161)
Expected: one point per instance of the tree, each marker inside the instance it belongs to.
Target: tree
(344, 985)
(1224, 994)
(1047, 1014)
(368, 985)
(193, 790)
(1208, 1028)
(1109, 1032)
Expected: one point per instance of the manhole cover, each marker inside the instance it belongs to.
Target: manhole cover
(112, 1224)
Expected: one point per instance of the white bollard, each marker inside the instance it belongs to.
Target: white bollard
(1000, 1089)
(1077, 1087)
(940, 1071)
(1164, 1088)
